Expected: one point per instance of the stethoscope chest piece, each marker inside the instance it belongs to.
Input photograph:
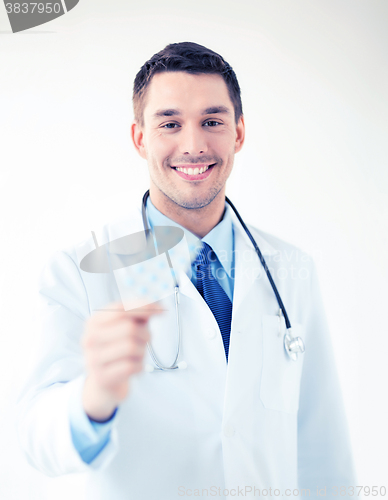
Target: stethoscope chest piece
(293, 345)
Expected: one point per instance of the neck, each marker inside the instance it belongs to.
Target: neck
(199, 221)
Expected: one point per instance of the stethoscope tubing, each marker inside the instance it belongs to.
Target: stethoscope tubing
(264, 264)
(176, 288)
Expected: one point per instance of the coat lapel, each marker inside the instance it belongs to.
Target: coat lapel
(247, 263)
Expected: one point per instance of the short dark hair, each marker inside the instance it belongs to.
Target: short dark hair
(191, 58)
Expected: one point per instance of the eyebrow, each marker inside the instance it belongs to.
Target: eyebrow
(213, 110)
(177, 112)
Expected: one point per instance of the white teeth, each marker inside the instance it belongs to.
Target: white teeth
(192, 171)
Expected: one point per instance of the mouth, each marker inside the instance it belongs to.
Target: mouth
(194, 172)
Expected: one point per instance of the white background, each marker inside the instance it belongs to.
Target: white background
(313, 170)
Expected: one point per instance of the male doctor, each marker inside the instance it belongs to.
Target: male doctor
(239, 417)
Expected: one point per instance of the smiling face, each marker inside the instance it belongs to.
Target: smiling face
(189, 139)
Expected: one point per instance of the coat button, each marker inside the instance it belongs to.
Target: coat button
(210, 333)
(229, 431)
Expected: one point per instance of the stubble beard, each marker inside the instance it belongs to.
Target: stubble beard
(175, 197)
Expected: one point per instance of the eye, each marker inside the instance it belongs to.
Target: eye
(212, 123)
(170, 125)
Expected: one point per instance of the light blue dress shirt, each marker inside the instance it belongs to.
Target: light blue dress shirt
(90, 437)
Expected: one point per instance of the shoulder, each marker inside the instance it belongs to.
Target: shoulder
(70, 256)
(104, 233)
(278, 244)
(284, 259)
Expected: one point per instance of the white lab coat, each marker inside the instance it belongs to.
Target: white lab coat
(214, 429)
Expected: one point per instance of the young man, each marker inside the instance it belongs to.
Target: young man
(238, 417)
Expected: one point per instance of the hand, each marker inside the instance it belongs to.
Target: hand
(114, 346)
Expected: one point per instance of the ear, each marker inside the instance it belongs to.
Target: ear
(138, 139)
(240, 134)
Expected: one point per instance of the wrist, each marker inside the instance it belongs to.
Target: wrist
(103, 421)
(98, 404)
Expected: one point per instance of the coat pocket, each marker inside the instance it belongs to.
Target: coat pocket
(280, 378)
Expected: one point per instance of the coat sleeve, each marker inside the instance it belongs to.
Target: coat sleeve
(324, 451)
(43, 405)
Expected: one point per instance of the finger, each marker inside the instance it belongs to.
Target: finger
(106, 335)
(115, 311)
(117, 373)
(114, 352)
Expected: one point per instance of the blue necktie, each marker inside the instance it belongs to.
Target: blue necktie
(213, 293)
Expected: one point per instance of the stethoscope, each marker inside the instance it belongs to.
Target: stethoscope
(292, 345)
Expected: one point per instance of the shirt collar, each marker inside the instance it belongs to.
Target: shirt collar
(220, 238)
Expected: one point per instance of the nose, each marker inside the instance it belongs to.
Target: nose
(192, 140)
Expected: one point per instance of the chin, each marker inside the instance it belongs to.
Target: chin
(195, 202)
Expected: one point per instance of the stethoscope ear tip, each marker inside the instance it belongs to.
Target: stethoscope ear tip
(182, 365)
